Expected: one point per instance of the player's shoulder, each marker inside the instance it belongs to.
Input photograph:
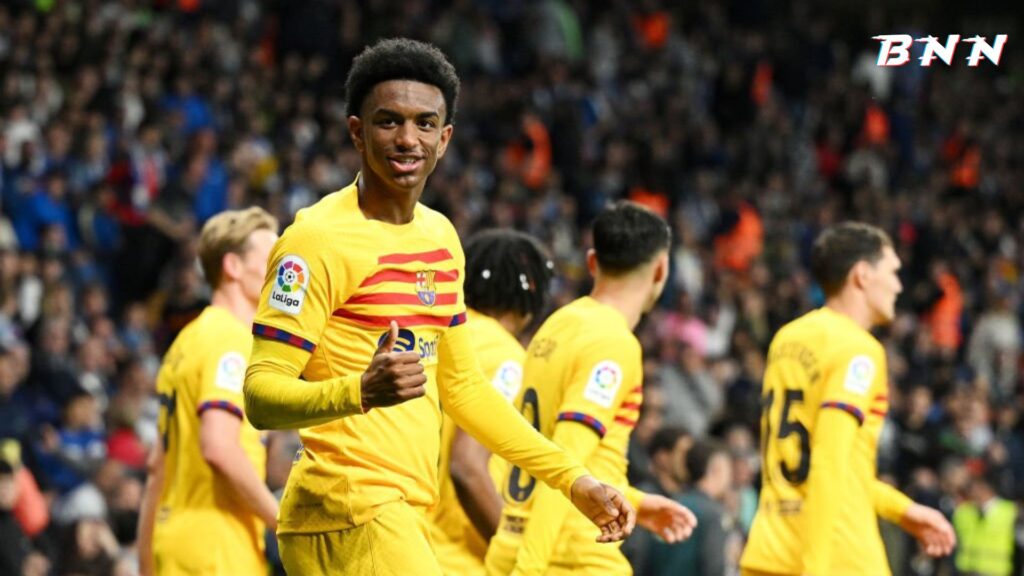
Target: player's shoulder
(591, 326)
(215, 331)
(336, 211)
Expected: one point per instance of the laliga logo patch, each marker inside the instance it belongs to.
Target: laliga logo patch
(289, 290)
(231, 371)
(859, 375)
(604, 383)
(508, 379)
(425, 289)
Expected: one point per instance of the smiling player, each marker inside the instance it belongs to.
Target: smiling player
(366, 346)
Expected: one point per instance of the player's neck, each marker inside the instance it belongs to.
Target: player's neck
(627, 295)
(229, 296)
(378, 202)
(851, 306)
(510, 321)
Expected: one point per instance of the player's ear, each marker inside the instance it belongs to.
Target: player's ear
(592, 262)
(661, 269)
(355, 131)
(446, 136)
(859, 274)
(230, 266)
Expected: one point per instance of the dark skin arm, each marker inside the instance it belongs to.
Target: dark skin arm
(473, 485)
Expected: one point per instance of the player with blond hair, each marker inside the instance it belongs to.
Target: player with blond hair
(206, 506)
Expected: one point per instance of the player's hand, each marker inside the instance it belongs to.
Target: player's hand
(606, 507)
(392, 377)
(930, 528)
(670, 520)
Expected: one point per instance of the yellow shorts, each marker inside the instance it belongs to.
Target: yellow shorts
(457, 560)
(395, 543)
(606, 560)
(203, 543)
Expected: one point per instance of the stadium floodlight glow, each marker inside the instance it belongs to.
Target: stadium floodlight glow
(895, 49)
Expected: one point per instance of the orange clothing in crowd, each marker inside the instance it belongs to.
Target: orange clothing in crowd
(738, 248)
(944, 318)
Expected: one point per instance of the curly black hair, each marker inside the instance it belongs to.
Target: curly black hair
(627, 236)
(401, 59)
(507, 271)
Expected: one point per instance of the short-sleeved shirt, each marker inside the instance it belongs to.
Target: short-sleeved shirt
(204, 369)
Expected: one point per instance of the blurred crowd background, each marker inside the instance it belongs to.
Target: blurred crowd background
(750, 125)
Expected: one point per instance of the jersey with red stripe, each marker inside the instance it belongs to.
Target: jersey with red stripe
(820, 361)
(584, 366)
(335, 282)
(204, 370)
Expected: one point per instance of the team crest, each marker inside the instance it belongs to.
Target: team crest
(425, 288)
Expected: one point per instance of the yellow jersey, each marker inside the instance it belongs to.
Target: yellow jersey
(822, 360)
(583, 368)
(460, 548)
(337, 279)
(199, 517)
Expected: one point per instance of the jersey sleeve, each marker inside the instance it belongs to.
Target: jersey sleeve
(850, 384)
(223, 375)
(298, 294)
(605, 379)
(477, 407)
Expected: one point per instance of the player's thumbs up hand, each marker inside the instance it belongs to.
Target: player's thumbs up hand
(392, 377)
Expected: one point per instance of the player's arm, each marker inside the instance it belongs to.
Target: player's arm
(473, 484)
(928, 525)
(890, 503)
(147, 510)
(844, 403)
(834, 436)
(219, 442)
(276, 398)
(485, 414)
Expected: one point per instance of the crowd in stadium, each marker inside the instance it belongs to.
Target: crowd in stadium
(125, 125)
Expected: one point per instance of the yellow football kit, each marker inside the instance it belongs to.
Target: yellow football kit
(459, 546)
(582, 388)
(336, 281)
(201, 526)
(825, 378)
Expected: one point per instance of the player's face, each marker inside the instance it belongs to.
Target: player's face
(401, 134)
(882, 286)
(254, 263)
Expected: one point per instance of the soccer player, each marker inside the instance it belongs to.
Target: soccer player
(582, 388)
(206, 506)
(361, 343)
(507, 278)
(826, 394)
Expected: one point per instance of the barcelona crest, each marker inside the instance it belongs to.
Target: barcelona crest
(425, 288)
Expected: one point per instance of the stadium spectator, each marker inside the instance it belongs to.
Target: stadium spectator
(709, 467)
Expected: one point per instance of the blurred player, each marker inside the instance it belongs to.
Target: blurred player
(507, 278)
(826, 394)
(582, 388)
(361, 343)
(205, 493)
